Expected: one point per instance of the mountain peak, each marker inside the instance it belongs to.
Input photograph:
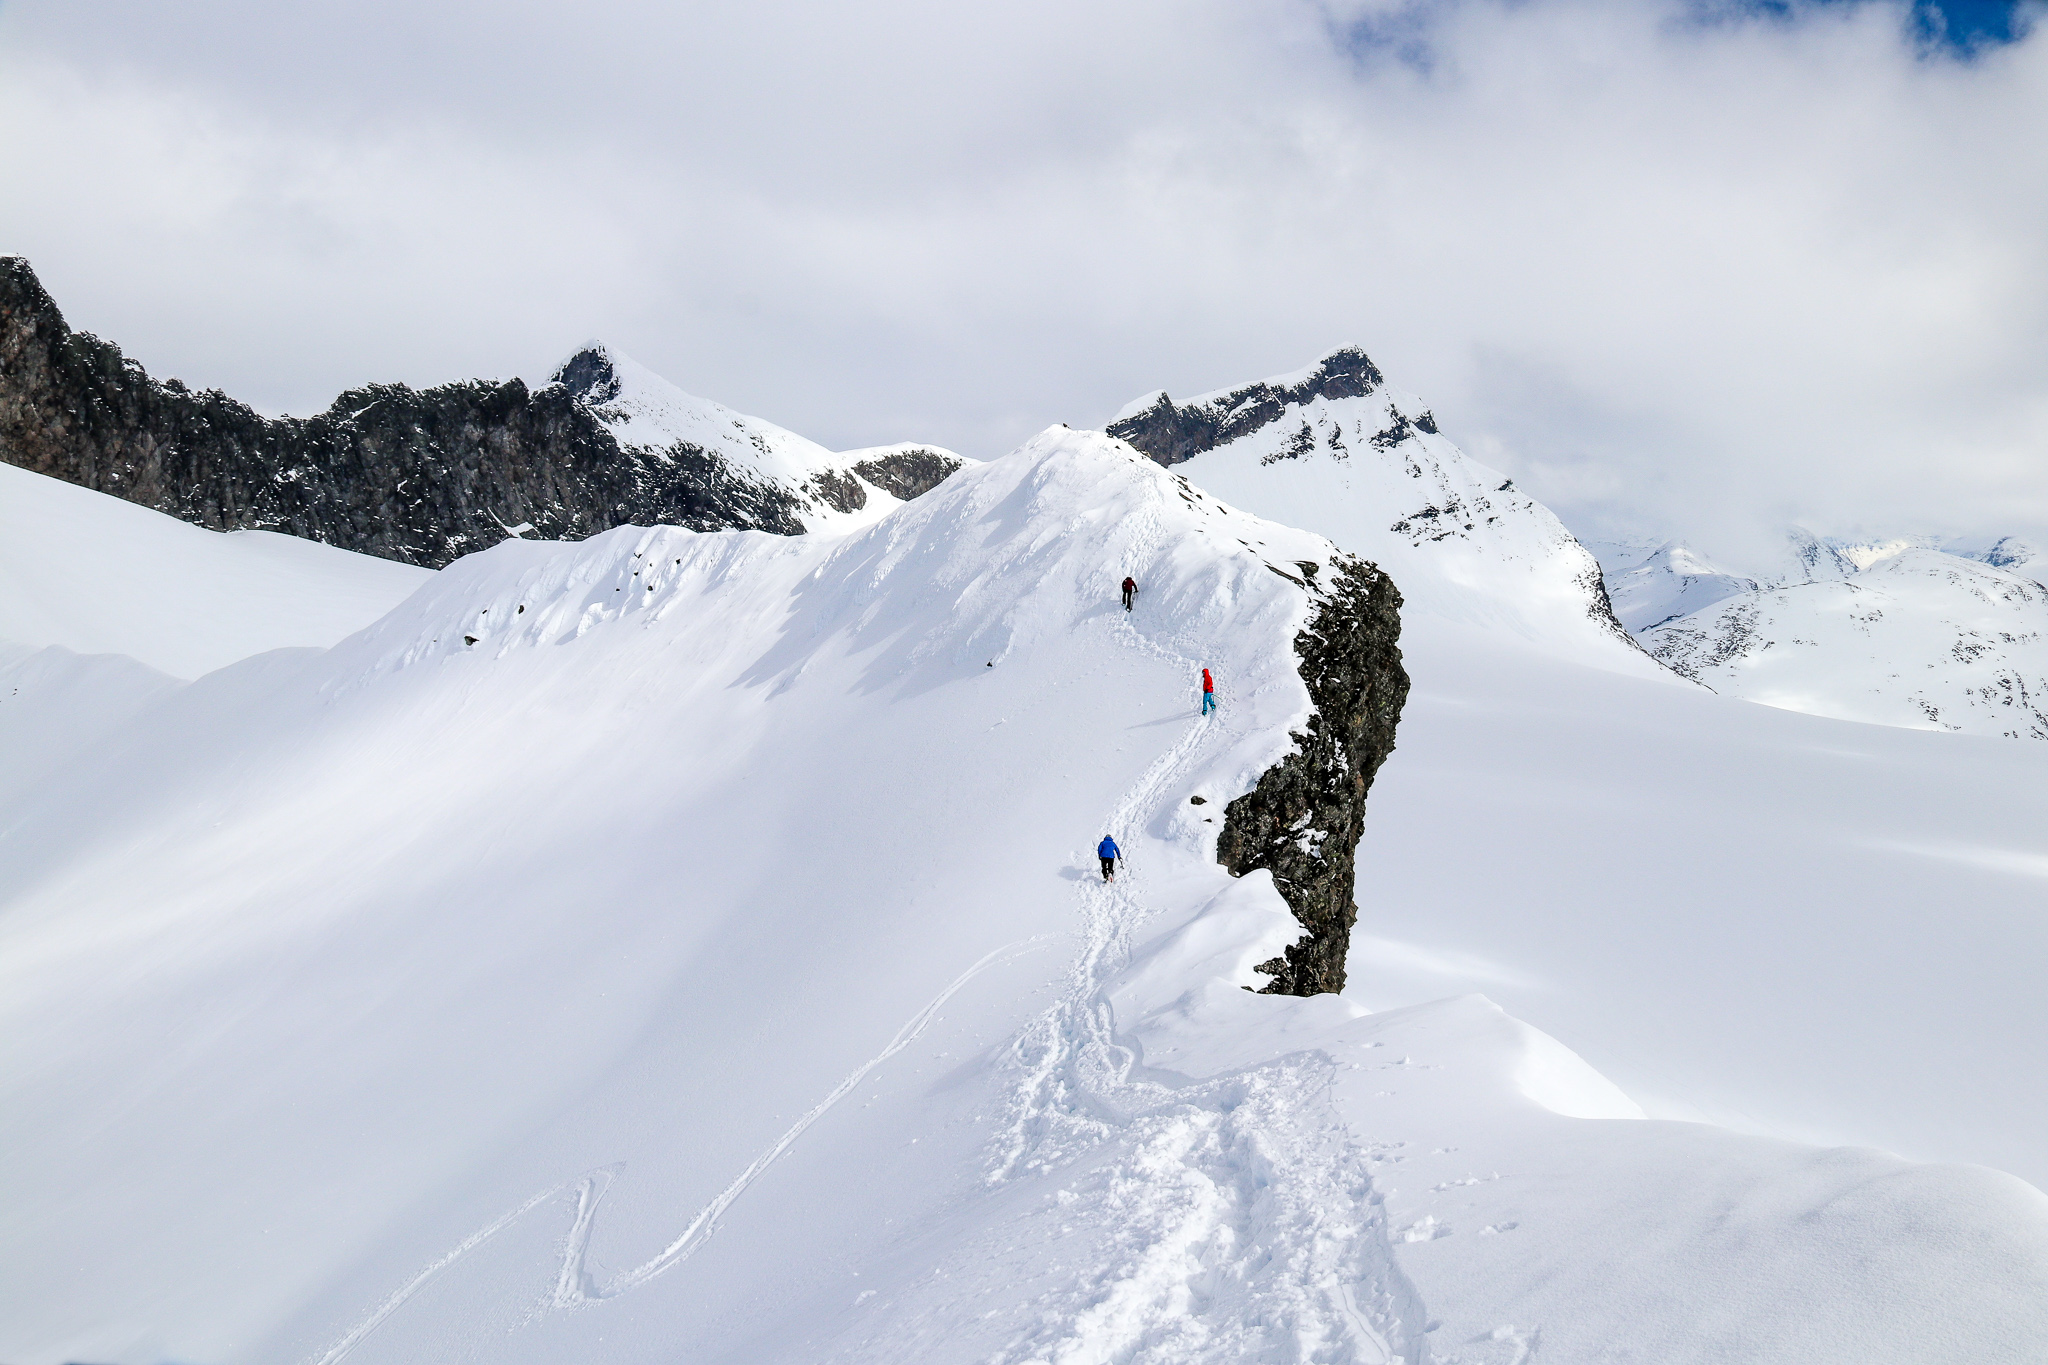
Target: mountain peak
(1171, 432)
(591, 374)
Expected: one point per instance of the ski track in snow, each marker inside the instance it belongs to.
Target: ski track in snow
(573, 1286)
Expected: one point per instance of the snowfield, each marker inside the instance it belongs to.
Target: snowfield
(90, 574)
(689, 946)
(1920, 638)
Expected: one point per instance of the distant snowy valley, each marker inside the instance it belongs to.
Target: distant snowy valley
(688, 944)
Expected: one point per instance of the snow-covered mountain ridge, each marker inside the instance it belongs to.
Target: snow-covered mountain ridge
(1914, 630)
(668, 748)
(711, 952)
(1333, 448)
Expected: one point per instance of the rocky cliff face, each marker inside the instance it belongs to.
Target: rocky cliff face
(422, 476)
(1304, 818)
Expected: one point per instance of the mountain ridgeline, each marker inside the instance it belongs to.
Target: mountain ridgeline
(422, 476)
(1172, 433)
(1335, 448)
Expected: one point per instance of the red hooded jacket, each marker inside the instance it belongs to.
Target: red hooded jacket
(1208, 684)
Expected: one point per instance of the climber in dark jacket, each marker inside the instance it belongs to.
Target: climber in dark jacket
(1109, 853)
(1130, 591)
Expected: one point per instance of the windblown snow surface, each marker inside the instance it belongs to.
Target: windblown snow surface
(687, 947)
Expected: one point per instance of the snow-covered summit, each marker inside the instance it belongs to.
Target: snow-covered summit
(746, 459)
(645, 411)
(2003, 552)
(1333, 448)
(1650, 582)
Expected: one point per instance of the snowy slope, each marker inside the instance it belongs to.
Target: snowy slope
(1334, 449)
(652, 419)
(94, 575)
(679, 942)
(1893, 633)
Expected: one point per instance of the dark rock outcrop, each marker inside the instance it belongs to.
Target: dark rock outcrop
(904, 474)
(1303, 820)
(907, 473)
(421, 476)
(1170, 433)
(840, 492)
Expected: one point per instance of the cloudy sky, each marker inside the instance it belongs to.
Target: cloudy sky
(1690, 267)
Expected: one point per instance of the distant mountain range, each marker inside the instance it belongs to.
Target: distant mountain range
(425, 476)
(1913, 631)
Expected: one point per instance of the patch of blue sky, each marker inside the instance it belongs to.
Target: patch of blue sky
(1959, 28)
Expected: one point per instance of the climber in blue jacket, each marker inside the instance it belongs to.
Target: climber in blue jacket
(1109, 853)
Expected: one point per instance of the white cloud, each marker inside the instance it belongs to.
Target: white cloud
(1693, 276)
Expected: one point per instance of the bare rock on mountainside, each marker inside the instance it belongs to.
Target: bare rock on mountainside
(905, 471)
(420, 476)
(1303, 820)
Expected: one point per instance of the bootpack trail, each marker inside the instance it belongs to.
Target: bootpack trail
(1247, 1227)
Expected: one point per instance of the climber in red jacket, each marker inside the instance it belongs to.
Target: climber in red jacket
(1208, 693)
